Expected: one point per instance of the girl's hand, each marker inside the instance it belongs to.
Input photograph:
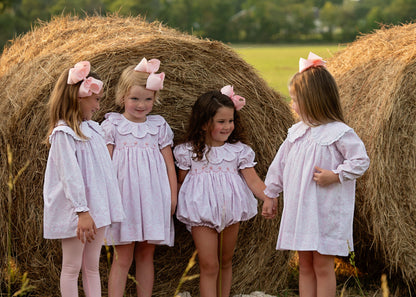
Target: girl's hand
(269, 208)
(325, 177)
(86, 227)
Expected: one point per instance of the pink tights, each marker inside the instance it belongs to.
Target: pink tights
(77, 256)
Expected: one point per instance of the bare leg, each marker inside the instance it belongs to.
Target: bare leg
(325, 275)
(229, 240)
(143, 255)
(122, 260)
(206, 242)
(307, 278)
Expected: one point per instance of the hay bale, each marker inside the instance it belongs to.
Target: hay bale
(28, 71)
(377, 80)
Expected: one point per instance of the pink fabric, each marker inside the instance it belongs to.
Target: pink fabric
(154, 81)
(312, 61)
(238, 101)
(89, 85)
(317, 218)
(77, 256)
(142, 178)
(79, 177)
(213, 193)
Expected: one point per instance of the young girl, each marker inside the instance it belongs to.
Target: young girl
(316, 168)
(217, 178)
(140, 145)
(81, 195)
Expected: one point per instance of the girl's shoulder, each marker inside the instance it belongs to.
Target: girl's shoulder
(138, 130)
(324, 134)
(87, 128)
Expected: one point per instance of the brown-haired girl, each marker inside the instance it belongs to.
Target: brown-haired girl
(218, 179)
(316, 168)
(81, 195)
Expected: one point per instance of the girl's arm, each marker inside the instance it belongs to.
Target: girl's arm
(181, 177)
(257, 186)
(170, 166)
(110, 148)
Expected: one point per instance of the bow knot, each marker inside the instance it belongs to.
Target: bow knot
(154, 81)
(238, 101)
(312, 61)
(89, 85)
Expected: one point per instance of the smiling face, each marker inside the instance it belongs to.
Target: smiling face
(138, 103)
(221, 127)
(89, 105)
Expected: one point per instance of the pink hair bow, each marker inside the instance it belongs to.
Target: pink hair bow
(312, 61)
(89, 85)
(154, 81)
(238, 101)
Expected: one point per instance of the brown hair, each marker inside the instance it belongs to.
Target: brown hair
(129, 78)
(64, 105)
(203, 112)
(317, 96)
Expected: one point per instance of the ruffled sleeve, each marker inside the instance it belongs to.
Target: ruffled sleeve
(246, 157)
(274, 177)
(109, 131)
(356, 160)
(165, 135)
(182, 155)
(63, 154)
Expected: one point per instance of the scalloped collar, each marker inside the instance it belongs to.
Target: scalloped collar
(86, 128)
(323, 134)
(217, 154)
(138, 130)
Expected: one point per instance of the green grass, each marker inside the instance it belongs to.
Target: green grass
(277, 64)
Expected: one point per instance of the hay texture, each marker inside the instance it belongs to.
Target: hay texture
(377, 80)
(30, 67)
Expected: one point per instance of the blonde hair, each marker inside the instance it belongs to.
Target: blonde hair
(317, 96)
(64, 105)
(129, 78)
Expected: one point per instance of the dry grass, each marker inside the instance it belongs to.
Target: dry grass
(377, 79)
(28, 71)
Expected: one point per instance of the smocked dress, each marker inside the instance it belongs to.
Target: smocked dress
(79, 177)
(213, 193)
(317, 218)
(142, 177)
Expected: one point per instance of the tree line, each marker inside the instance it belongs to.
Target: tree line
(235, 21)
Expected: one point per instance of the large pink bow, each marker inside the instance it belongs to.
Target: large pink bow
(312, 61)
(238, 101)
(154, 81)
(89, 85)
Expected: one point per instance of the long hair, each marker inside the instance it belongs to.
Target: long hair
(64, 105)
(129, 78)
(317, 96)
(203, 112)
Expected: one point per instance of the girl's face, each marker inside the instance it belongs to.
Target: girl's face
(89, 105)
(138, 103)
(295, 105)
(221, 127)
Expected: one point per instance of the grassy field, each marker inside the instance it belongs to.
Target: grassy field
(277, 64)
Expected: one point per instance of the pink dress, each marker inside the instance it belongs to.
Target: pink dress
(142, 178)
(214, 194)
(79, 177)
(317, 218)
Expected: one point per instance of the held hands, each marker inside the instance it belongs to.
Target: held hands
(325, 177)
(86, 229)
(269, 210)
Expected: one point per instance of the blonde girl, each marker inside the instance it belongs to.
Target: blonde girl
(140, 146)
(316, 168)
(81, 195)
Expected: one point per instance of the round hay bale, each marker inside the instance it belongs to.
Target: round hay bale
(377, 80)
(30, 67)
